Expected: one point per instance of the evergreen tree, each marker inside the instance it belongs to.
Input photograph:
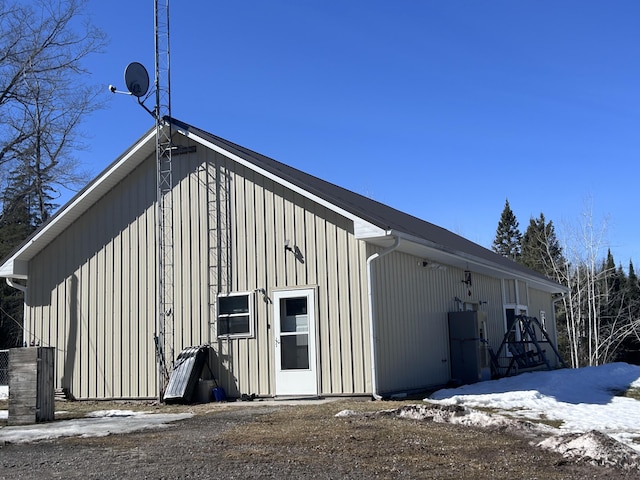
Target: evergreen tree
(16, 224)
(508, 237)
(611, 292)
(629, 350)
(633, 289)
(541, 249)
(30, 188)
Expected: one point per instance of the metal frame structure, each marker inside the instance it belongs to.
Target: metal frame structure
(164, 335)
(525, 353)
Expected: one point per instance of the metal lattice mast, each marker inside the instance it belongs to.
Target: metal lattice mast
(165, 237)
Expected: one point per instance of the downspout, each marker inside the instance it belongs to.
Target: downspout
(372, 316)
(23, 289)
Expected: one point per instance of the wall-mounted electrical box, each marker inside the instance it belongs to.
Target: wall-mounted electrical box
(468, 347)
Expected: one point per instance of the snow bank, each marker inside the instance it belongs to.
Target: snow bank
(581, 400)
(594, 447)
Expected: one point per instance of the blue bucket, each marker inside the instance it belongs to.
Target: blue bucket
(219, 395)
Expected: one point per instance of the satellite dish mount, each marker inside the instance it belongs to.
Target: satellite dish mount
(136, 78)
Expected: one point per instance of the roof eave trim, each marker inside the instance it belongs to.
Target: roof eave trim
(14, 269)
(24, 254)
(472, 259)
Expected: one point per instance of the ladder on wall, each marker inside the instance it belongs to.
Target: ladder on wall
(219, 237)
(525, 353)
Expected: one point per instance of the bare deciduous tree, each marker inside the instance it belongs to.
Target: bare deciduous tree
(593, 337)
(43, 95)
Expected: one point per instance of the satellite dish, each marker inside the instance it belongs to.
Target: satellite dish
(137, 79)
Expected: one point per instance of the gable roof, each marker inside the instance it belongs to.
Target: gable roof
(373, 221)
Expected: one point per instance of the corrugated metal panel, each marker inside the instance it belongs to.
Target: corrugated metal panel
(264, 216)
(523, 295)
(510, 292)
(412, 306)
(184, 378)
(94, 299)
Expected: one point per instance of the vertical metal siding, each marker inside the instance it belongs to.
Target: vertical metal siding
(412, 303)
(263, 216)
(94, 299)
(523, 293)
(510, 291)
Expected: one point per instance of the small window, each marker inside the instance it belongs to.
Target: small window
(470, 307)
(235, 315)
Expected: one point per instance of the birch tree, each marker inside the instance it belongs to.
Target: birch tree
(582, 273)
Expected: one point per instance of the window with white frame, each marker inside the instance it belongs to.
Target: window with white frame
(235, 315)
(510, 313)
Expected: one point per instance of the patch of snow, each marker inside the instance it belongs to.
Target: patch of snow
(113, 413)
(96, 424)
(582, 400)
(4, 392)
(347, 413)
(594, 423)
(594, 447)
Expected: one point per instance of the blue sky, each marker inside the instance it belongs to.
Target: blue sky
(442, 109)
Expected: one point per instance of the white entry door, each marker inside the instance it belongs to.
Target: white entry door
(295, 342)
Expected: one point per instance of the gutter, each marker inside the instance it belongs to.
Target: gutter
(17, 286)
(540, 281)
(372, 316)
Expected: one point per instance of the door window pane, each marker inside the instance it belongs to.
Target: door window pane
(294, 318)
(294, 325)
(295, 306)
(294, 352)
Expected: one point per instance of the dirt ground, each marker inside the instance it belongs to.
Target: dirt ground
(277, 440)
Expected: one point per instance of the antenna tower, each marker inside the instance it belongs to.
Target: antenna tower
(136, 78)
(165, 238)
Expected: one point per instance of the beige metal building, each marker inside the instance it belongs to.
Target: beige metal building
(300, 287)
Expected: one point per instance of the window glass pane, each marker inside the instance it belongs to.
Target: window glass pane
(234, 304)
(233, 325)
(294, 324)
(295, 306)
(511, 318)
(294, 352)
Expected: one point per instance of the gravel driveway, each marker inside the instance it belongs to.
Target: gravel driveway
(284, 441)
